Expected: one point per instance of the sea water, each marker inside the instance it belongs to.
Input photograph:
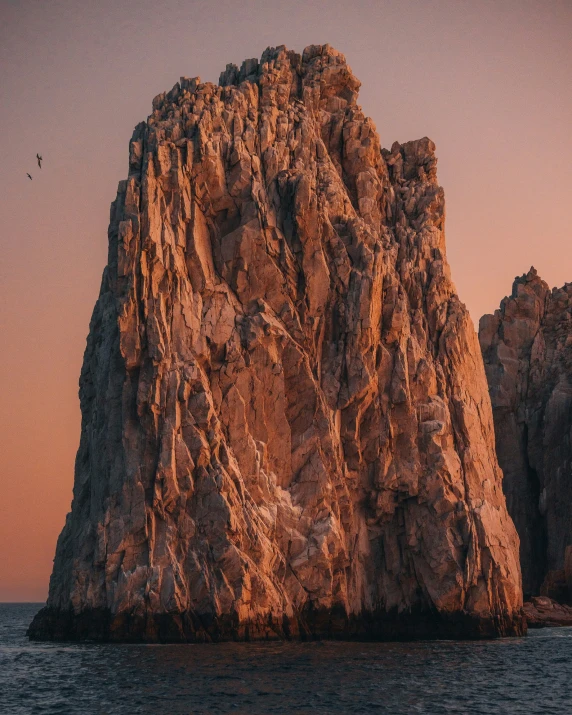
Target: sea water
(518, 675)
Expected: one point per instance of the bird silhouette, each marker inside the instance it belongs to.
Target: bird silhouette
(29, 177)
(39, 158)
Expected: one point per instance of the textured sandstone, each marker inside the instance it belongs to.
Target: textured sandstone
(286, 426)
(527, 350)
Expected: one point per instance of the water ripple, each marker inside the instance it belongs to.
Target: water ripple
(528, 676)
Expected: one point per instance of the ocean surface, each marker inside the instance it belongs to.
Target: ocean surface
(521, 675)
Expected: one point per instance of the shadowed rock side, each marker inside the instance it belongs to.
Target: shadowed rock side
(286, 425)
(527, 349)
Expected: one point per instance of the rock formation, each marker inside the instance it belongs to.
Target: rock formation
(543, 612)
(527, 350)
(286, 426)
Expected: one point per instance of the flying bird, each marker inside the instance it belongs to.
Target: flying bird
(39, 158)
(29, 177)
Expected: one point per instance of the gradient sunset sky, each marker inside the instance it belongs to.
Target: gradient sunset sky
(489, 82)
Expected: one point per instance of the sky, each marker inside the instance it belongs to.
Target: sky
(489, 82)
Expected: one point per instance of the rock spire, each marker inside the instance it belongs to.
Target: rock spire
(286, 426)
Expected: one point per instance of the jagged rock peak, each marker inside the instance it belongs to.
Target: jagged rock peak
(320, 75)
(286, 430)
(527, 350)
(318, 63)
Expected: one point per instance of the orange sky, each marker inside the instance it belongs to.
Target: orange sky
(489, 82)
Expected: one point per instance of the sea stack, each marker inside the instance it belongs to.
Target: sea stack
(527, 349)
(286, 427)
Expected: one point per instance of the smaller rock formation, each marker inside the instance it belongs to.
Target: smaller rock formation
(527, 350)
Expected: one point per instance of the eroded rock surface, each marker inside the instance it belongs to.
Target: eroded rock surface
(543, 612)
(527, 350)
(286, 426)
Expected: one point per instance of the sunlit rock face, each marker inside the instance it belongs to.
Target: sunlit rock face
(286, 425)
(527, 349)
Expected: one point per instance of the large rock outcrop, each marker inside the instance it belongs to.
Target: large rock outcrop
(527, 350)
(286, 426)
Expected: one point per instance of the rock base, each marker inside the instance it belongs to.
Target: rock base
(100, 625)
(543, 612)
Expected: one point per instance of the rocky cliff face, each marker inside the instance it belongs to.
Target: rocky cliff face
(286, 426)
(527, 349)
